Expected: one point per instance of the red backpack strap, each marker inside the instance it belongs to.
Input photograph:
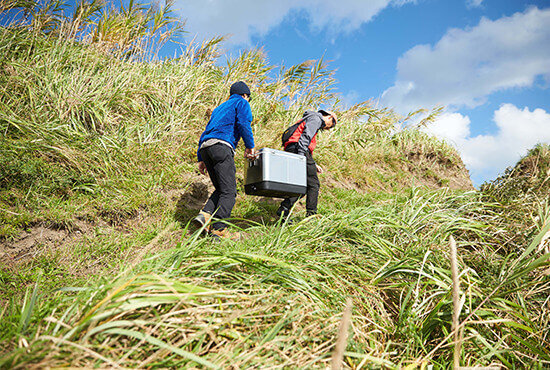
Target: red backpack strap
(287, 134)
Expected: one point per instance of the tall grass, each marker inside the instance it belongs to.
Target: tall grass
(276, 298)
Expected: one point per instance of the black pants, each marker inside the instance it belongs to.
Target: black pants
(220, 164)
(313, 185)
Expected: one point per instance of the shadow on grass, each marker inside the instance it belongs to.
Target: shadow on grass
(248, 212)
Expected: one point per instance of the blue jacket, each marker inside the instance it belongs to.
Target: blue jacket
(229, 122)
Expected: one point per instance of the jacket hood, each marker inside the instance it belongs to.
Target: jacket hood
(312, 113)
(309, 113)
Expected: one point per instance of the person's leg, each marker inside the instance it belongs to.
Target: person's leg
(286, 205)
(223, 171)
(313, 185)
(212, 202)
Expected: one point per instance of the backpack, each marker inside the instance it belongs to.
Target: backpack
(290, 131)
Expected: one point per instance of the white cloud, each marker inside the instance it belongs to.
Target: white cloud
(350, 98)
(243, 18)
(518, 130)
(453, 127)
(473, 3)
(467, 65)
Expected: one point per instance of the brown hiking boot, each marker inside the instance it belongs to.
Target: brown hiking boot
(225, 234)
(202, 219)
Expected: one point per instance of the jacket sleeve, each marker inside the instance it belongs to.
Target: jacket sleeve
(313, 124)
(199, 157)
(244, 120)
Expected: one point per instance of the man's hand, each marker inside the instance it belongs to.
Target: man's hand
(250, 153)
(320, 169)
(202, 168)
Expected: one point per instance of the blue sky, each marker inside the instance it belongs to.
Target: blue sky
(487, 61)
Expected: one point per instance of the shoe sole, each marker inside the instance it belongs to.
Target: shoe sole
(220, 237)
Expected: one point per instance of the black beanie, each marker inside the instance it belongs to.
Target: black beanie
(239, 88)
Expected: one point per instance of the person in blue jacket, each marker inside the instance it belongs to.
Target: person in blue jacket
(228, 123)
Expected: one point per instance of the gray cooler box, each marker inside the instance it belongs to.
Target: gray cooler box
(276, 174)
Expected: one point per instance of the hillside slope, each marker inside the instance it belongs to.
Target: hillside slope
(103, 141)
(529, 177)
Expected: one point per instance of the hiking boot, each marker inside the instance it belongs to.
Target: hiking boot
(283, 212)
(289, 221)
(310, 213)
(225, 234)
(202, 219)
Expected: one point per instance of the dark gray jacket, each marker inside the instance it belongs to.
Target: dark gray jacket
(305, 136)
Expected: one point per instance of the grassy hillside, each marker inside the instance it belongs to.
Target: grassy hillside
(77, 123)
(528, 179)
(98, 266)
